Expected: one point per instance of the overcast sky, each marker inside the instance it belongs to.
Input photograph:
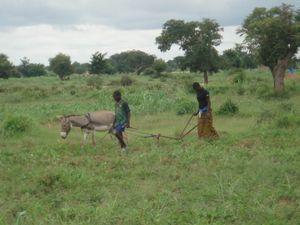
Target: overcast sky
(39, 29)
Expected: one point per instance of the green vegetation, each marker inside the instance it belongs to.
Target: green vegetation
(248, 176)
(14, 125)
(6, 67)
(228, 108)
(61, 65)
(197, 39)
(273, 36)
(95, 81)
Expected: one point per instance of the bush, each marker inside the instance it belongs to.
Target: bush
(95, 81)
(149, 71)
(283, 122)
(240, 90)
(114, 83)
(185, 107)
(266, 92)
(16, 125)
(126, 81)
(240, 77)
(228, 108)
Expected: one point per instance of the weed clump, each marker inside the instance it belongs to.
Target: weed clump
(95, 81)
(266, 92)
(240, 77)
(265, 117)
(15, 125)
(126, 81)
(35, 93)
(228, 108)
(240, 90)
(283, 122)
(149, 71)
(185, 107)
(287, 121)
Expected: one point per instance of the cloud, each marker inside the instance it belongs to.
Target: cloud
(40, 42)
(126, 14)
(39, 29)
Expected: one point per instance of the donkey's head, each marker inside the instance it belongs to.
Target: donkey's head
(66, 126)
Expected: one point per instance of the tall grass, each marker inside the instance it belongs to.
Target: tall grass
(249, 175)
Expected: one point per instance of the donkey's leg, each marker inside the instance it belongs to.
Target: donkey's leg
(93, 138)
(85, 135)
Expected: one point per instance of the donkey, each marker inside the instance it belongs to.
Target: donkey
(89, 123)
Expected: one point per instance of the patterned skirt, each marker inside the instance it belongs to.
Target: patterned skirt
(205, 126)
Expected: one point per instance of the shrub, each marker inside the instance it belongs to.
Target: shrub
(114, 83)
(95, 81)
(283, 122)
(240, 90)
(185, 107)
(126, 81)
(240, 77)
(149, 71)
(228, 108)
(265, 92)
(14, 125)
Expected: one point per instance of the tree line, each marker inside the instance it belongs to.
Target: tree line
(133, 61)
(271, 38)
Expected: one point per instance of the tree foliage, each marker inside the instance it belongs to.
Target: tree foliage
(28, 69)
(159, 66)
(61, 65)
(197, 39)
(131, 61)
(80, 68)
(273, 35)
(100, 65)
(237, 58)
(6, 67)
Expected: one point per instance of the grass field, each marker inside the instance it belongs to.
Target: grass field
(249, 176)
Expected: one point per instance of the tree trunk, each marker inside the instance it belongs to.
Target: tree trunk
(61, 77)
(278, 74)
(205, 77)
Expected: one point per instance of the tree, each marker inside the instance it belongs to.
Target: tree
(197, 39)
(28, 69)
(80, 68)
(159, 66)
(273, 36)
(6, 67)
(98, 64)
(61, 65)
(237, 58)
(131, 61)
